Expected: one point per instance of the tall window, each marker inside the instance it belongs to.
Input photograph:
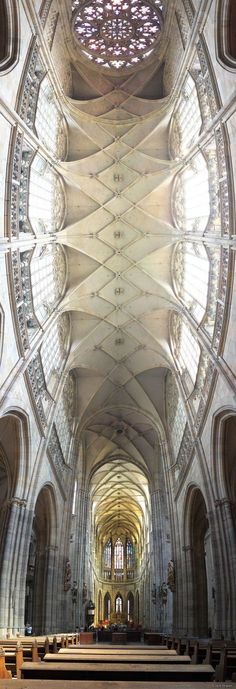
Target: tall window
(176, 413)
(48, 117)
(107, 606)
(107, 555)
(189, 352)
(119, 604)
(119, 555)
(191, 270)
(48, 274)
(46, 202)
(130, 607)
(192, 198)
(187, 120)
(53, 348)
(129, 554)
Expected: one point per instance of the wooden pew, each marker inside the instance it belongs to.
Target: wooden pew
(152, 638)
(4, 673)
(117, 671)
(155, 652)
(61, 684)
(115, 658)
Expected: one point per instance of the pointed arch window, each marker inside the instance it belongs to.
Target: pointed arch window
(119, 604)
(107, 555)
(119, 555)
(129, 554)
(107, 606)
(130, 607)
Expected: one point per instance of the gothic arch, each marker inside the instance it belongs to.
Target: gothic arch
(14, 434)
(223, 449)
(226, 37)
(196, 527)
(41, 562)
(9, 35)
(130, 607)
(107, 606)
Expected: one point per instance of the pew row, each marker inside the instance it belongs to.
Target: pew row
(116, 671)
(71, 684)
(115, 658)
(143, 651)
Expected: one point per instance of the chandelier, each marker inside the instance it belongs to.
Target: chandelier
(117, 33)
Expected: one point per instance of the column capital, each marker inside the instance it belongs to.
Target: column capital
(187, 548)
(221, 502)
(19, 502)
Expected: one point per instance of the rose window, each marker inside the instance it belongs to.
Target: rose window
(117, 33)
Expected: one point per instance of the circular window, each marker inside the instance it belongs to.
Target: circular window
(117, 33)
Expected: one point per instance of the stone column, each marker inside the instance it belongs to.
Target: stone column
(226, 588)
(161, 556)
(50, 613)
(11, 590)
(187, 600)
(80, 551)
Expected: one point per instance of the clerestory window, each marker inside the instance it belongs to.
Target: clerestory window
(48, 117)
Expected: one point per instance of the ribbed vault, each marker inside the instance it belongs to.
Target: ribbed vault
(119, 238)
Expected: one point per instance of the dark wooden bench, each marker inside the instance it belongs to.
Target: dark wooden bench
(152, 638)
(118, 671)
(71, 684)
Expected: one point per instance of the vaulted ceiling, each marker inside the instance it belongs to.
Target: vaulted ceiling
(119, 238)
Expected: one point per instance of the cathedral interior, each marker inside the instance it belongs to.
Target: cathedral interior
(117, 315)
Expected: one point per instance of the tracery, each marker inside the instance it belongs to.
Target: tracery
(48, 119)
(46, 201)
(48, 274)
(116, 34)
(191, 272)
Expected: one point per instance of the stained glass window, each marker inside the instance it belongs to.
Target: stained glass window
(107, 555)
(119, 555)
(117, 33)
(130, 554)
(119, 604)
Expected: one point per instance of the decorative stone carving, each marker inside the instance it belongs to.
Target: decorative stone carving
(38, 386)
(29, 88)
(85, 592)
(67, 577)
(163, 593)
(19, 301)
(171, 576)
(44, 10)
(55, 452)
